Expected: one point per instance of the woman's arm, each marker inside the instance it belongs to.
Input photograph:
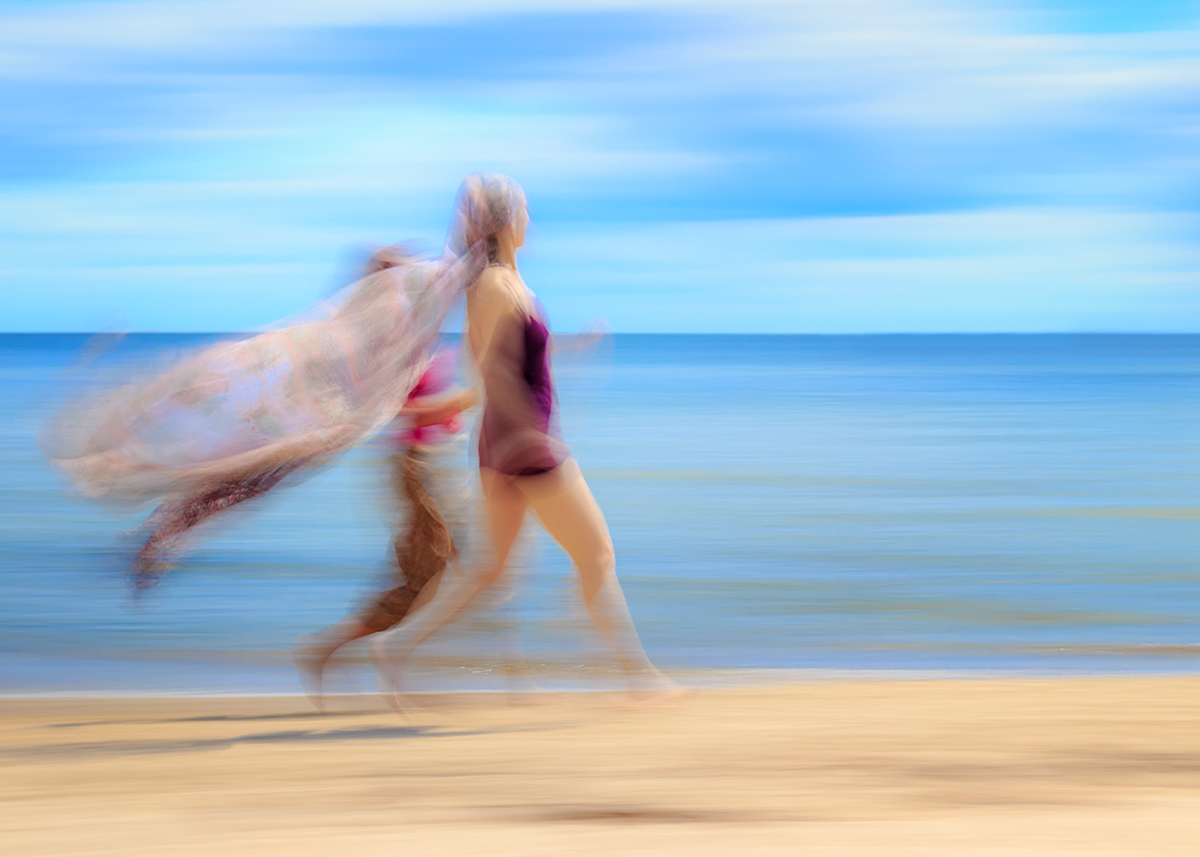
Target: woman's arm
(431, 410)
(576, 341)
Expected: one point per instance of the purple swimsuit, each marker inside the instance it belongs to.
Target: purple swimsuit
(519, 433)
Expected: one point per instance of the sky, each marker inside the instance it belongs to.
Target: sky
(821, 166)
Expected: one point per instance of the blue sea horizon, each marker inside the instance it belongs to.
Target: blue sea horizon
(968, 503)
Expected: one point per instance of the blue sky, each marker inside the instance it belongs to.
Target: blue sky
(820, 166)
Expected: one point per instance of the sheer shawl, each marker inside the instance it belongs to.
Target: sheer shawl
(301, 393)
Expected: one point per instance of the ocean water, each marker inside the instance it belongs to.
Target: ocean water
(958, 502)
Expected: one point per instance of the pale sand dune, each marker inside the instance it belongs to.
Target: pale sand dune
(938, 767)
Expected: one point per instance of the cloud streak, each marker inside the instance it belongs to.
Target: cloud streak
(223, 136)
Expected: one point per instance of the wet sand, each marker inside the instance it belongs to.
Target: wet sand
(1080, 766)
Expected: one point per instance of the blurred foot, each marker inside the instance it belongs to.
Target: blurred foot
(310, 665)
(387, 673)
(519, 686)
(652, 687)
(396, 702)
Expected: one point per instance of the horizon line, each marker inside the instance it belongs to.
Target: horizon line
(656, 333)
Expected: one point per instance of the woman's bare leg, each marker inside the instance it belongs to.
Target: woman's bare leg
(314, 651)
(569, 513)
(420, 550)
(505, 513)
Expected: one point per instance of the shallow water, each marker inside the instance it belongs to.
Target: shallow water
(846, 502)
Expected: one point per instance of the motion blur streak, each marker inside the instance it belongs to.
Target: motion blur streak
(862, 165)
(896, 440)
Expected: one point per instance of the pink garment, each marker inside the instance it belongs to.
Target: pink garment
(438, 378)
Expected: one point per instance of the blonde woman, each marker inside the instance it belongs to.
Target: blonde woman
(524, 466)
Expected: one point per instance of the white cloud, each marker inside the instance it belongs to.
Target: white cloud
(280, 171)
(1006, 270)
(1024, 269)
(848, 63)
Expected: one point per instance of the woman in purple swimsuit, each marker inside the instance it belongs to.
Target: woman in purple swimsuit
(524, 464)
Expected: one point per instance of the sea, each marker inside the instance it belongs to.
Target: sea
(904, 505)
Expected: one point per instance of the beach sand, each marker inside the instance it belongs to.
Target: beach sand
(1082, 766)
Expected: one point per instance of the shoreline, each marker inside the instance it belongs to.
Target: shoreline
(697, 679)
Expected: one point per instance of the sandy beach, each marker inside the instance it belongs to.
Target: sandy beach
(930, 767)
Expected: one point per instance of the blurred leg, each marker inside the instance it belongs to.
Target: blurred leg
(569, 513)
(420, 552)
(505, 510)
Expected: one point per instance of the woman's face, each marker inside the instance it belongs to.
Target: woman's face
(520, 224)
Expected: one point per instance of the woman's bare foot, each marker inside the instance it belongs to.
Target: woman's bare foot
(310, 664)
(396, 702)
(387, 672)
(652, 686)
(519, 687)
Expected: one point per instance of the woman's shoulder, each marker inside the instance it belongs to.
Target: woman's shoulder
(501, 287)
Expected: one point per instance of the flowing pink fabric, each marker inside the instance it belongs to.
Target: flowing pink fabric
(238, 410)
